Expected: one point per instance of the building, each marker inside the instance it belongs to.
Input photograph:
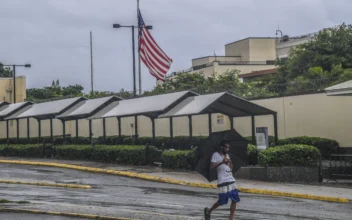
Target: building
(6, 89)
(253, 57)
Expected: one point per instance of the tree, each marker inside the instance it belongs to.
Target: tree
(5, 71)
(329, 48)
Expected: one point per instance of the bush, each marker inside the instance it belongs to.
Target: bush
(136, 155)
(180, 159)
(252, 154)
(74, 152)
(22, 151)
(179, 142)
(290, 155)
(325, 146)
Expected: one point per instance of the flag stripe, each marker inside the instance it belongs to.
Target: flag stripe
(152, 42)
(155, 59)
(152, 67)
(163, 65)
(161, 59)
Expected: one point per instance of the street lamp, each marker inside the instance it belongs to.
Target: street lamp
(14, 77)
(149, 27)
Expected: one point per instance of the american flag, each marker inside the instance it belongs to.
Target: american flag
(157, 62)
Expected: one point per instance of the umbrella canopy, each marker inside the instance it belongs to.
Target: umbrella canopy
(238, 152)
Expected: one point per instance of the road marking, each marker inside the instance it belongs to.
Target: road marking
(162, 204)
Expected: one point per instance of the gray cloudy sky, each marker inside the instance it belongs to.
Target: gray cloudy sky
(53, 35)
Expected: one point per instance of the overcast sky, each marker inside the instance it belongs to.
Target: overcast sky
(53, 35)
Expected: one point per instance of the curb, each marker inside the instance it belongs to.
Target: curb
(77, 215)
(178, 182)
(47, 184)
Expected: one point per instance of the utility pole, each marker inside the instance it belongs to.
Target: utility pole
(91, 63)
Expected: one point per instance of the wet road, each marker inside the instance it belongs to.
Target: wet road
(17, 216)
(126, 197)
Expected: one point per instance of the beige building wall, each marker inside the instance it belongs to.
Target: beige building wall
(207, 60)
(262, 49)
(283, 49)
(219, 69)
(6, 89)
(239, 48)
(311, 115)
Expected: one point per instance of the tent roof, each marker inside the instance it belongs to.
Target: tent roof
(9, 109)
(46, 110)
(150, 106)
(4, 103)
(87, 108)
(223, 103)
(340, 89)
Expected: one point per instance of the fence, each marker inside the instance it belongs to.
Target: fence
(340, 166)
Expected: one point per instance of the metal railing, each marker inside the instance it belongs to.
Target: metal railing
(340, 166)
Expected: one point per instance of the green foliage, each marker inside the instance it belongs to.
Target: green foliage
(324, 145)
(34, 151)
(54, 93)
(180, 159)
(319, 57)
(290, 155)
(252, 154)
(136, 155)
(74, 152)
(5, 71)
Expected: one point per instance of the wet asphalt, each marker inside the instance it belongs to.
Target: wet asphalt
(21, 216)
(133, 198)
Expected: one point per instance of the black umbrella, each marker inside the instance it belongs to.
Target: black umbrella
(238, 152)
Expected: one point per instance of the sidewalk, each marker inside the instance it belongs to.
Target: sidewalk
(335, 190)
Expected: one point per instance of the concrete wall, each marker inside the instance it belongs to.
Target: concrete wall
(312, 115)
(239, 48)
(219, 69)
(206, 60)
(6, 83)
(262, 49)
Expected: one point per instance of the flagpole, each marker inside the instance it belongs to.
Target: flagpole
(139, 56)
(91, 62)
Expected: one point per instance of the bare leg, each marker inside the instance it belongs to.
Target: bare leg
(215, 206)
(232, 210)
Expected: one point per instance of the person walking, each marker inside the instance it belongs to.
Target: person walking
(226, 185)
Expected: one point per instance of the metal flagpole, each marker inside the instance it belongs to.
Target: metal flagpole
(139, 56)
(91, 62)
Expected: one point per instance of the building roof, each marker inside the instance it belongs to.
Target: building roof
(150, 106)
(10, 109)
(344, 88)
(223, 103)
(212, 56)
(259, 73)
(4, 103)
(46, 110)
(87, 108)
(248, 38)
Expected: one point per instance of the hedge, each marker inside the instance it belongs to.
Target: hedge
(290, 155)
(136, 155)
(179, 142)
(35, 151)
(181, 159)
(325, 146)
(252, 154)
